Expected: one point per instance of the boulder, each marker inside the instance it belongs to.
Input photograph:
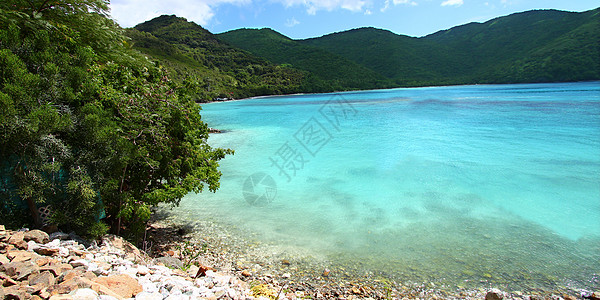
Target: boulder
(56, 268)
(42, 260)
(47, 251)
(69, 286)
(79, 263)
(123, 285)
(44, 279)
(3, 259)
(37, 236)
(20, 270)
(16, 292)
(21, 255)
(17, 240)
(494, 294)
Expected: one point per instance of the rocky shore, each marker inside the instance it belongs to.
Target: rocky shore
(35, 265)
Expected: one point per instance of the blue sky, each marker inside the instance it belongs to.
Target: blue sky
(312, 18)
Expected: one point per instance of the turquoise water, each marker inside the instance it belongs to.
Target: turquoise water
(465, 185)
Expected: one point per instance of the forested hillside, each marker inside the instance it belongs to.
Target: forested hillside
(215, 69)
(533, 46)
(333, 70)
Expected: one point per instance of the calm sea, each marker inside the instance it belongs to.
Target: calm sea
(461, 185)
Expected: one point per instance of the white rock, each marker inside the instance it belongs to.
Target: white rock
(84, 294)
(286, 275)
(54, 244)
(63, 252)
(208, 294)
(31, 246)
(149, 296)
(162, 270)
(178, 297)
(79, 263)
(149, 287)
(106, 297)
(125, 262)
(156, 277)
(210, 273)
(143, 270)
(164, 291)
(233, 294)
(175, 292)
(219, 292)
(125, 270)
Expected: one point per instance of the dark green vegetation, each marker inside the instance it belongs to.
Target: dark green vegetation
(216, 69)
(533, 46)
(335, 70)
(89, 126)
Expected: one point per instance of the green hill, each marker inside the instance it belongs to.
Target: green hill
(213, 68)
(406, 60)
(334, 70)
(533, 46)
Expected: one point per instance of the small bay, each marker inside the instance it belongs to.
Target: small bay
(462, 185)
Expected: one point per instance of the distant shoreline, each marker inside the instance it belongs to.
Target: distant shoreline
(396, 88)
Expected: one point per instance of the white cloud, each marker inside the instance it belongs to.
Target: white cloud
(396, 2)
(386, 5)
(291, 22)
(452, 2)
(312, 6)
(129, 13)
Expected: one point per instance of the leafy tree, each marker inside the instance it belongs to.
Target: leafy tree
(89, 126)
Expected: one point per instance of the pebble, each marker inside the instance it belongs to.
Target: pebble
(105, 271)
(84, 294)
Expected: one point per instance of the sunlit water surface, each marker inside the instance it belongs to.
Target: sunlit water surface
(460, 185)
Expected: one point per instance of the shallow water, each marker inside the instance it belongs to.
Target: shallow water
(466, 185)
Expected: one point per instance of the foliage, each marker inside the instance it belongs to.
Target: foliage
(213, 68)
(190, 252)
(333, 71)
(89, 126)
(533, 46)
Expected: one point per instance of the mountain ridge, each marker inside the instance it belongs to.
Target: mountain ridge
(530, 46)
